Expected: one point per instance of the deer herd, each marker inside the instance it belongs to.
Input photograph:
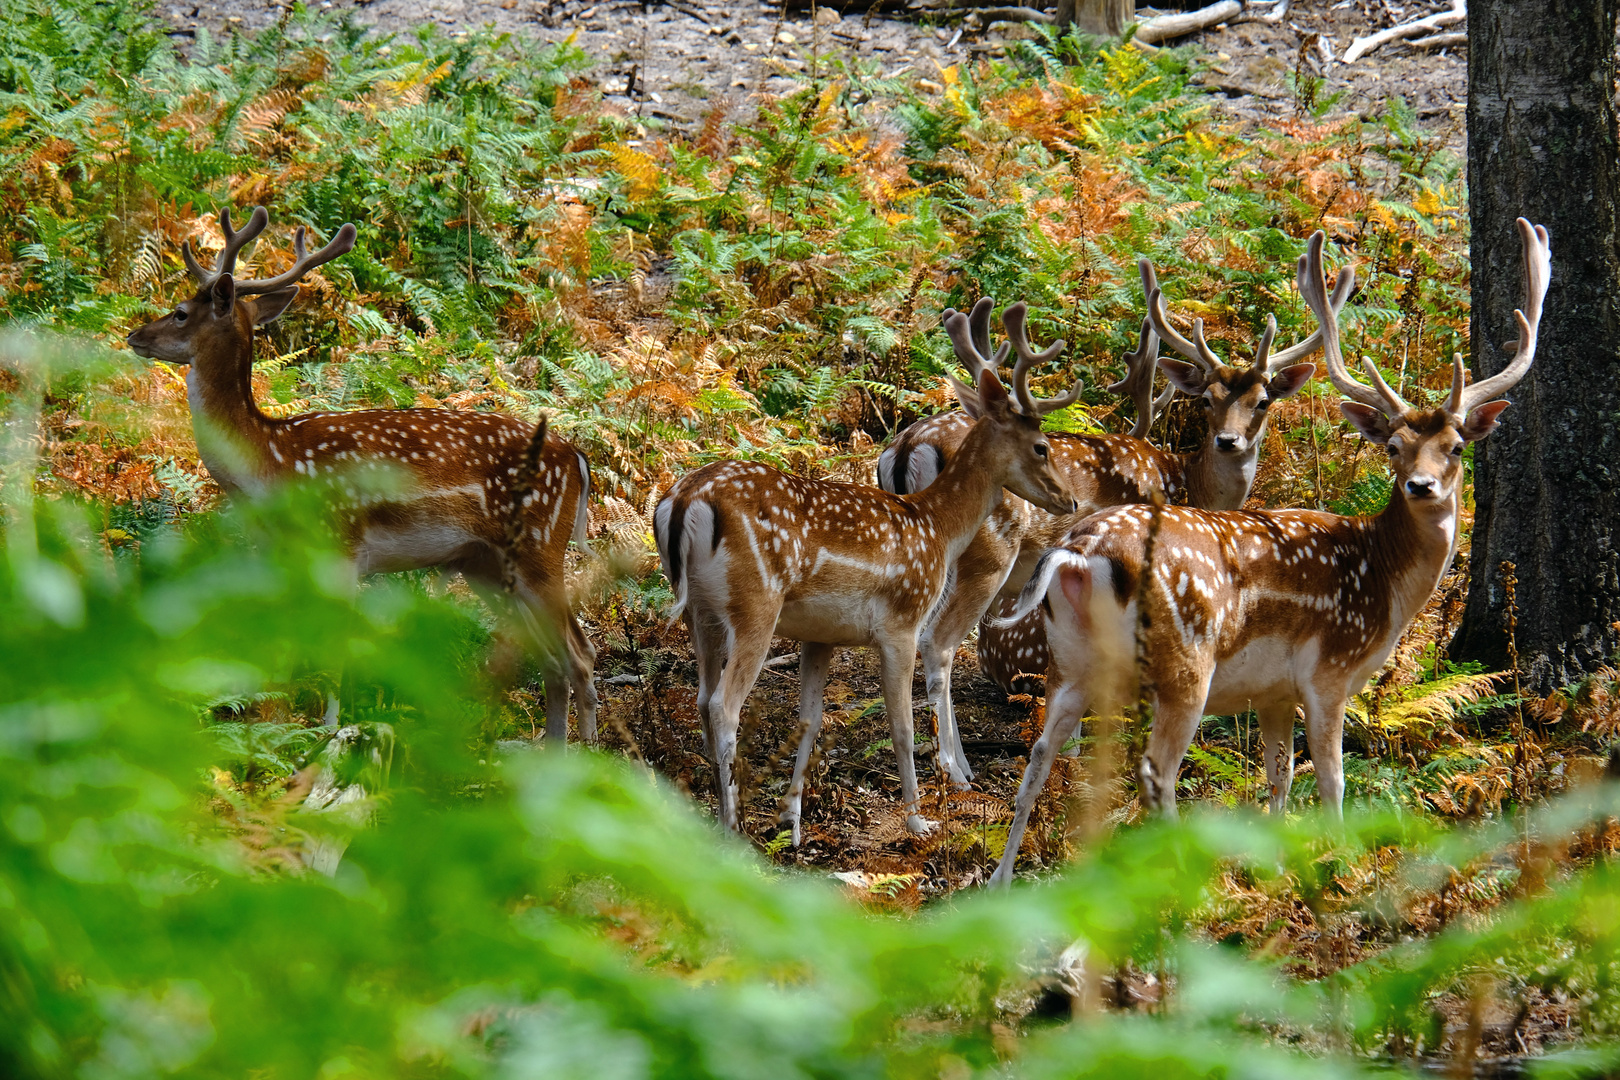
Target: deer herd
(1106, 566)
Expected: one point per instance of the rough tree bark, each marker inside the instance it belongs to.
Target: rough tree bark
(1102, 17)
(1542, 143)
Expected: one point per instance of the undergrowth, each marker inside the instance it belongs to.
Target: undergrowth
(767, 285)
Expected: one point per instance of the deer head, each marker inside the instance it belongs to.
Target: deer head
(1238, 398)
(222, 313)
(1425, 446)
(1019, 451)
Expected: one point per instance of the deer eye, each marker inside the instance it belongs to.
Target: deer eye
(1456, 451)
(1263, 403)
(1394, 450)
(1041, 450)
(179, 314)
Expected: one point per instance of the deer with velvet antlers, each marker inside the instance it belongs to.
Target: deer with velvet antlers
(752, 552)
(1217, 476)
(483, 494)
(1101, 471)
(1269, 610)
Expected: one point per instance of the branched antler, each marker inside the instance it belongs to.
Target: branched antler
(234, 243)
(1015, 319)
(236, 240)
(1537, 275)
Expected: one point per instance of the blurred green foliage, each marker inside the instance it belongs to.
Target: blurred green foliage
(567, 914)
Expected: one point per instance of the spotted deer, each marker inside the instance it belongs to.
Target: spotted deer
(1216, 476)
(454, 478)
(1269, 610)
(1101, 470)
(752, 552)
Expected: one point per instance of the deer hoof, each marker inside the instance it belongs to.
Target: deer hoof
(918, 825)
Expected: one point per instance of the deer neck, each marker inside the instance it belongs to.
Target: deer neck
(1410, 548)
(965, 492)
(232, 434)
(1217, 481)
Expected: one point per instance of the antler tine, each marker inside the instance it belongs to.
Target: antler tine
(979, 323)
(970, 336)
(1014, 319)
(1198, 352)
(1537, 275)
(1262, 352)
(237, 239)
(1137, 384)
(1313, 288)
(303, 263)
(1295, 353)
(193, 267)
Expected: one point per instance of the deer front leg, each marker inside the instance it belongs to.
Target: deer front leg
(969, 597)
(1324, 735)
(814, 659)
(1277, 747)
(1063, 709)
(899, 662)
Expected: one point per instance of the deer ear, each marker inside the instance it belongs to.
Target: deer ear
(992, 395)
(1482, 420)
(1373, 425)
(967, 397)
(223, 292)
(268, 307)
(1290, 380)
(1184, 376)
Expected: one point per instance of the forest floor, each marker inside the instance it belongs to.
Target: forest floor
(674, 61)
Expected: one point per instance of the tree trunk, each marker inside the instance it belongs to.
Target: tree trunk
(1542, 143)
(1105, 18)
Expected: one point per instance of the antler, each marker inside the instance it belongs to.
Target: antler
(1137, 384)
(303, 262)
(1537, 274)
(1313, 288)
(1014, 319)
(1197, 350)
(234, 242)
(1295, 353)
(970, 335)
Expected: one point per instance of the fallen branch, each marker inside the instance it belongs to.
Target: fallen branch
(1439, 41)
(1438, 21)
(1162, 28)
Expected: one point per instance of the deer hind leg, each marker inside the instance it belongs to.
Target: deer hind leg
(814, 659)
(1176, 715)
(1063, 710)
(1277, 747)
(582, 676)
(749, 642)
(1324, 734)
(899, 662)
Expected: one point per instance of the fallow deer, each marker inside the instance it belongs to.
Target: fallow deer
(1267, 609)
(1102, 471)
(464, 473)
(752, 552)
(1216, 476)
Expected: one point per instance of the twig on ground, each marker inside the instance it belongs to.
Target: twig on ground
(1429, 23)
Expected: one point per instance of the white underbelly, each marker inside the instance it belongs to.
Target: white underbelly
(386, 550)
(833, 621)
(1265, 670)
